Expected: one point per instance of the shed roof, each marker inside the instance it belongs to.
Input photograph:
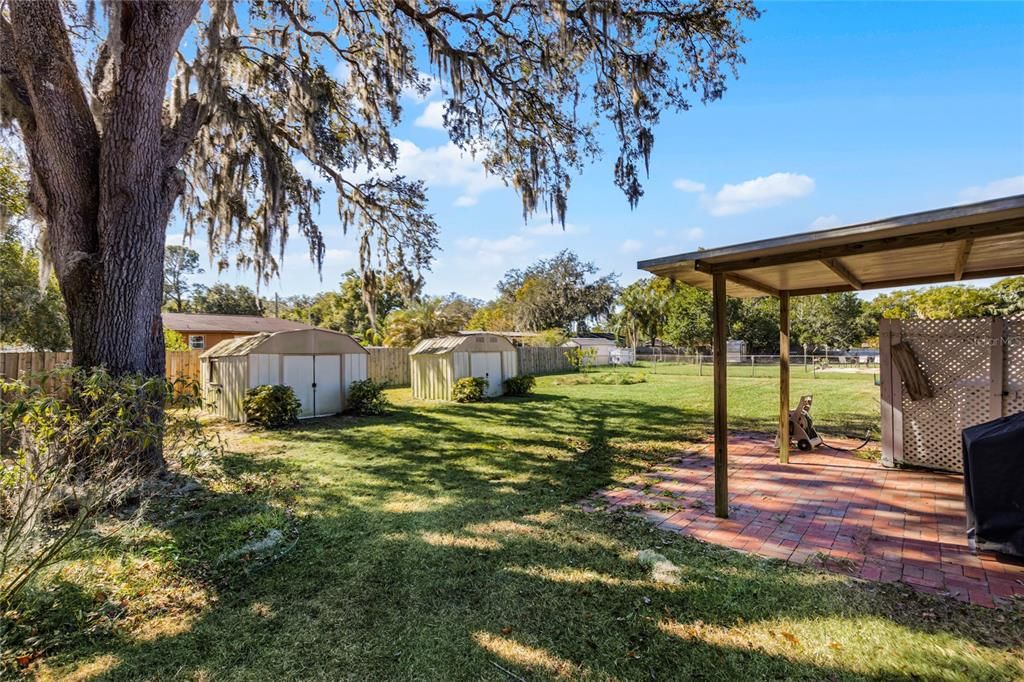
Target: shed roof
(985, 239)
(251, 324)
(463, 343)
(310, 341)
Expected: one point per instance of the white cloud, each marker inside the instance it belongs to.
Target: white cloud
(994, 190)
(444, 166)
(432, 116)
(695, 234)
(660, 233)
(761, 192)
(684, 185)
(492, 252)
(429, 87)
(550, 229)
(823, 222)
(631, 246)
(339, 256)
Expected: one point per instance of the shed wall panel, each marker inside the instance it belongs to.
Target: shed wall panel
(264, 369)
(461, 365)
(355, 369)
(509, 364)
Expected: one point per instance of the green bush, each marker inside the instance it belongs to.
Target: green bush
(367, 397)
(520, 385)
(469, 390)
(271, 406)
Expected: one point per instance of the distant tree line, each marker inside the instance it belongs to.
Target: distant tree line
(655, 309)
(552, 297)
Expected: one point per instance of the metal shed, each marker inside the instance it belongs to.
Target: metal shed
(438, 363)
(318, 364)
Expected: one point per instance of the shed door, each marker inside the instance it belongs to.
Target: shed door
(327, 391)
(487, 366)
(298, 373)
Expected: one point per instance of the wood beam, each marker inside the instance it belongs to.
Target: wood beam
(751, 283)
(911, 281)
(962, 254)
(721, 312)
(837, 266)
(944, 236)
(784, 377)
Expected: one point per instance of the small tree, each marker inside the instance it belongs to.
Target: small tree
(179, 263)
(580, 358)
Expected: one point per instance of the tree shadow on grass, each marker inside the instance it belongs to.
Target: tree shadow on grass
(436, 543)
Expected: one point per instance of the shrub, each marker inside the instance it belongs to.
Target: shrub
(579, 358)
(79, 443)
(367, 397)
(174, 341)
(469, 390)
(520, 385)
(271, 406)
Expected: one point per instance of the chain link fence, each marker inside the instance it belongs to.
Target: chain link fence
(750, 365)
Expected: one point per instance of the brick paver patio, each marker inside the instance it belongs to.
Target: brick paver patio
(828, 509)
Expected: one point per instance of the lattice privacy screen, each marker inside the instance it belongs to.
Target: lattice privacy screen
(975, 368)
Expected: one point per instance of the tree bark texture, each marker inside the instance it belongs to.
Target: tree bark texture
(103, 173)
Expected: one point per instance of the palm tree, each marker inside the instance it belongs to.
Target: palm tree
(423, 319)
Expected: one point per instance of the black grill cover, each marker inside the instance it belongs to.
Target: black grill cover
(994, 484)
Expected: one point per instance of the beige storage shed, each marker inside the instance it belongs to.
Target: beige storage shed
(437, 364)
(319, 365)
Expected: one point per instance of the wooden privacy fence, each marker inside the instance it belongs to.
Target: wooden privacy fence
(972, 370)
(542, 360)
(384, 364)
(389, 364)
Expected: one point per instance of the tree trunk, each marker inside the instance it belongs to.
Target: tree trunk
(103, 176)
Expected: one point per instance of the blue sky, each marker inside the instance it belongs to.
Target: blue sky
(843, 113)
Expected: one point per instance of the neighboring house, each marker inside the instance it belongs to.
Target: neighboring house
(603, 345)
(202, 331)
(517, 339)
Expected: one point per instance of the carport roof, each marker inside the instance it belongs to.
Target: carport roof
(984, 239)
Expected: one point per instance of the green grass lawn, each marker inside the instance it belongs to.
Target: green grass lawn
(444, 542)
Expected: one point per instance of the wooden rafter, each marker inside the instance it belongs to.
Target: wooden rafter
(908, 281)
(962, 254)
(751, 283)
(837, 266)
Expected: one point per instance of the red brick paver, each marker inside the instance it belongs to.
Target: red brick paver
(828, 509)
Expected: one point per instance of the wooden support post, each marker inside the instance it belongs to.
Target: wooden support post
(784, 377)
(721, 405)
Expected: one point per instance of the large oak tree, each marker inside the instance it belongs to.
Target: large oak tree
(208, 107)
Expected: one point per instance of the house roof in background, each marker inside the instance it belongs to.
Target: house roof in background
(590, 341)
(247, 324)
(957, 243)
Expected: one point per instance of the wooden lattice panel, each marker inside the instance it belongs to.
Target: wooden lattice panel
(955, 355)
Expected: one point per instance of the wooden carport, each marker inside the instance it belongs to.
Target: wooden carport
(972, 241)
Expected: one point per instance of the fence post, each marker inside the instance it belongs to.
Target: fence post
(997, 374)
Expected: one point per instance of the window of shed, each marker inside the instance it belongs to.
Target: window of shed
(197, 341)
